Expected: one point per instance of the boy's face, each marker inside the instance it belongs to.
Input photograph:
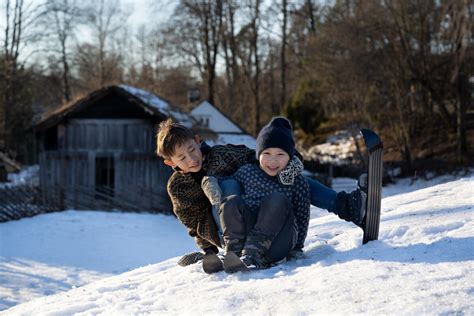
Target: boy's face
(273, 160)
(187, 157)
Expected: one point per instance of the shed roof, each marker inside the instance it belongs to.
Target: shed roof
(149, 102)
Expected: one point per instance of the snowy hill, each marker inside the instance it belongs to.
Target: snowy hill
(423, 263)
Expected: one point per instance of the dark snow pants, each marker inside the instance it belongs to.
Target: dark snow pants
(274, 220)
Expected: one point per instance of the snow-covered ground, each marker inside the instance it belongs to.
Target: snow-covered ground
(423, 263)
(55, 252)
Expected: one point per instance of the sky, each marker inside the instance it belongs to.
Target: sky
(142, 12)
(146, 11)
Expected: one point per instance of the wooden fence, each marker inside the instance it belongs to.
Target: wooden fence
(26, 200)
(110, 199)
(22, 201)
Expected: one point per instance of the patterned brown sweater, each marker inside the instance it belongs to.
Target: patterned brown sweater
(190, 204)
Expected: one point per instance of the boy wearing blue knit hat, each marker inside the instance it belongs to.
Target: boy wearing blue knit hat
(268, 220)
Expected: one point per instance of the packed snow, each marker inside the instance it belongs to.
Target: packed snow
(55, 252)
(423, 263)
(27, 175)
(338, 149)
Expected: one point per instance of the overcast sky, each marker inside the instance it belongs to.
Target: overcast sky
(142, 12)
(150, 11)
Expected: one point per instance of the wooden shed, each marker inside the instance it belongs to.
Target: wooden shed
(99, 152)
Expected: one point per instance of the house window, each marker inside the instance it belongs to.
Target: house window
(194, 95)
(104, 177)
(204, 120)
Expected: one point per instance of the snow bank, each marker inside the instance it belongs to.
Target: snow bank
(338, 149)
(28, 175)
(54, 252)
(423, 263)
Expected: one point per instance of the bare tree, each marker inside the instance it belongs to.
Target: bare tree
(249, 55)
(105, 18)
(229, 43)
(11, 48)
(458, 31)
(196, 31)
(143, 64)
(284, 25)
(20, 21)
(64, 16)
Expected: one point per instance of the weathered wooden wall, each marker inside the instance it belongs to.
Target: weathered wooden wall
(109, 135)
(139, 177)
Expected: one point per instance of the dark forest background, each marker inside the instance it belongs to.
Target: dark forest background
(403, 68)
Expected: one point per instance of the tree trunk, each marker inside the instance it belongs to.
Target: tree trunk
(276, 109)
(256, 59)
(228, 72)
(464, 101)
(283, 55)
(66, 88)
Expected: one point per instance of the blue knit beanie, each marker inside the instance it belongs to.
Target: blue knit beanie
(278, 133)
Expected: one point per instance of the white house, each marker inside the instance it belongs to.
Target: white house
(228, 131)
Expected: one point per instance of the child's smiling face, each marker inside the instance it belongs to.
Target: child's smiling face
(187, 156)
(273, 160)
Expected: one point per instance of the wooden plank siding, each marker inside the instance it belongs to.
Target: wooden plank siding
(125, 147)
(124, 135)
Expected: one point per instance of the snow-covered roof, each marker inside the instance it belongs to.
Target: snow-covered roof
(161, 105)
(236, 139)
(215, 119)
(149, 102)
(228, 132)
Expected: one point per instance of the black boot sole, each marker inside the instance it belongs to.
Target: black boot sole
(233, 264)
(211, 263)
